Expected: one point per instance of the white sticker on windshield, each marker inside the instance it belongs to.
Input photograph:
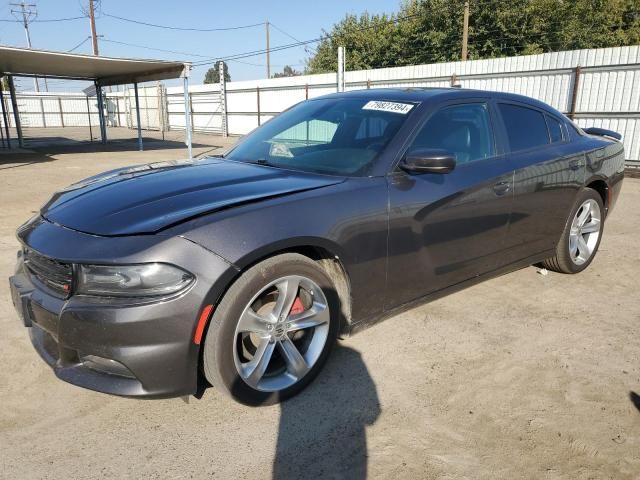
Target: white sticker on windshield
(392, 107)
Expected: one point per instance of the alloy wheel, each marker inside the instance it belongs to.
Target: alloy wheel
(281, 333)
(585, 232)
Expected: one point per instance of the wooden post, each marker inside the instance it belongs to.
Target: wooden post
(465, 31)
(306, 91)
(574, 91)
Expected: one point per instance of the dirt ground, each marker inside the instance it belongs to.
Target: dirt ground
(525, 376)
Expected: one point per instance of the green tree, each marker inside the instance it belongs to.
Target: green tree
(287, 71)
(213, 74)
(428, 31)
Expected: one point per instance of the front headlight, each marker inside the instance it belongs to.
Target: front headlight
(141, 280)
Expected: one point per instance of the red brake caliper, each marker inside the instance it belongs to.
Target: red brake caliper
(297, 307)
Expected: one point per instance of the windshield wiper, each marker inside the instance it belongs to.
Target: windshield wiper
(261, 161)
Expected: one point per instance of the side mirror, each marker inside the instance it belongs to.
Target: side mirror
(428, 160)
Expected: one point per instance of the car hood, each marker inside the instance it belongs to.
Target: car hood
(149, 198)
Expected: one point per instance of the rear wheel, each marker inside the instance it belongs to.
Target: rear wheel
(272, 331)
(582, 234)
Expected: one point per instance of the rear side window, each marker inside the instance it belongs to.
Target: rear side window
(555, 130)
(525, 127)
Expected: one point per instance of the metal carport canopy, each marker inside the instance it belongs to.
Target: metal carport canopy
(104, 71)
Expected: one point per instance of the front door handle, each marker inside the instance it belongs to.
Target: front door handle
(501, 188)
(575, 164)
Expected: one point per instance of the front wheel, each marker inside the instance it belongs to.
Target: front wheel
(272, 331)
(581, 236)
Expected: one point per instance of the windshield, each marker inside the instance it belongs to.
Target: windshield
(335, 136)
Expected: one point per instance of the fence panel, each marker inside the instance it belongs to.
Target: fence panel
(607, 93)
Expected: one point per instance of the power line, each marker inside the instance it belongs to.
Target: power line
(154, 48)
(186, 54)
(79, 45)
(292, 38)
(185, 29)
(43, 20)
(254, 53)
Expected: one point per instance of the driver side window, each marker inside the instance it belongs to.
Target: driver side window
(463, 130)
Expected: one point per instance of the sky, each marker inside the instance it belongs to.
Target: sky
(301, 20)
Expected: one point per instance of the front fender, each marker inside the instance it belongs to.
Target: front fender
(348, 220)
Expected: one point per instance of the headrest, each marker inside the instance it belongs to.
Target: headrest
(458, 138)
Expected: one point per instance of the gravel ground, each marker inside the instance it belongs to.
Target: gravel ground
(524, 376)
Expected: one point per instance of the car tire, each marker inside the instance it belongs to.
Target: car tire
(231, 345)
(582, 234)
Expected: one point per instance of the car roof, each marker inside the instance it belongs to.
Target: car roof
(422, 94)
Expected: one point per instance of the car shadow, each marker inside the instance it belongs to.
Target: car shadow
(635, 399)
(322, 431)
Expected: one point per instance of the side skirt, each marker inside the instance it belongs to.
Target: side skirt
(512, 267)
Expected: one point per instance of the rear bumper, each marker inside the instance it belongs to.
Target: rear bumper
(124, 347)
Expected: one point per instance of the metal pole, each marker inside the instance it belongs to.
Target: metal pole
(268, 52)
(258, 103)
(14, 106)
(44, 117)
(61, 111)
(223, 102)
(89, 115)
(5, 117)
(135, 89)
(465, 31)
(103, 127)
(28, 12)
(117, 110)
(340, 69)
(187, 116)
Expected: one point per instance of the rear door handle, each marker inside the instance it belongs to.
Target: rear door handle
(501, 188)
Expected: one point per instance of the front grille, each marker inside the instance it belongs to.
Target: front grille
(58, 276)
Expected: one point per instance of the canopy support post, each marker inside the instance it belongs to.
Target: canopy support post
(103, 127)
(5, 118)
(187, 115)
(16, 114)
(135, 90)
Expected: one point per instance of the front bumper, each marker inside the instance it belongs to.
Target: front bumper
(150, 343)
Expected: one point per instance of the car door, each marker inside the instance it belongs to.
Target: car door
(447, 228)
(548, 174)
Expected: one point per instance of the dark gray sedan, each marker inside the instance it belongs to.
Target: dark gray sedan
(241, 270)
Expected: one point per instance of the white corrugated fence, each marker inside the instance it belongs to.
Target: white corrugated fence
(597, 87)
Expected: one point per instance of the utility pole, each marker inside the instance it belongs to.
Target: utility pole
(92, 19)
(268, 58)
(28, 12)
(465, 31)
